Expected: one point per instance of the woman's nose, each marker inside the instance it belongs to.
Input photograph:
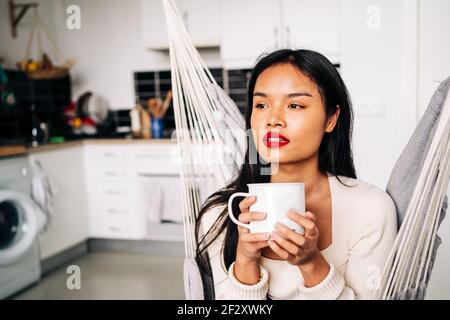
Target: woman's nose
(276, 119)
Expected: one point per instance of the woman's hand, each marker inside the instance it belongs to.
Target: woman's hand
(301, 250)
(250, 244)
(246, 268)
(296, 248)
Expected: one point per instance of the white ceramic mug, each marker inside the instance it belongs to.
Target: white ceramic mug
(274, 199)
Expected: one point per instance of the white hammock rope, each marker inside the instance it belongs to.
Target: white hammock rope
(210, 128)
(410, 257)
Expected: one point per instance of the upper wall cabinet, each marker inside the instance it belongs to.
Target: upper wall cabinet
(201, 18)
(248, 29)
(252, 27)
(312, 24)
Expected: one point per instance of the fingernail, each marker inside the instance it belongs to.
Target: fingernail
(267, 236)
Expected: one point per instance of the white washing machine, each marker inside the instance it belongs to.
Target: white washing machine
(21, 220)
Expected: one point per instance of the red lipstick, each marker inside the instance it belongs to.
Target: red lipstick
(275, 140)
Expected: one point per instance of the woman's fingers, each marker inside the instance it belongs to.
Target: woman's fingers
(310, 215)
(278, 250)
(247, 217)
(295, 237)
(261, 244)
(246, 203)
(255, 237)
(285, 244)
(304, 221)
(243, 230)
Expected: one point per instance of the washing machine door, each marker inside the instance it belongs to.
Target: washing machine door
(20, 223)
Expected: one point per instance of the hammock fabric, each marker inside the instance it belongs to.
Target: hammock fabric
(418, 186)
(210, 126)
(211, 139)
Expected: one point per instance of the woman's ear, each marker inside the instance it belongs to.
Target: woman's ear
(331, 123)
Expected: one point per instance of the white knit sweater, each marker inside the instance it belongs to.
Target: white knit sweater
(364, 228)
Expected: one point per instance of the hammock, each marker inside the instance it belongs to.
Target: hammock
(210, 126)
(210, 135)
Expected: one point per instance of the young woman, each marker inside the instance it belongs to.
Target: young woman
(349, 225)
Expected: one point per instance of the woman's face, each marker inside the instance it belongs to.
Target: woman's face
(288, 117)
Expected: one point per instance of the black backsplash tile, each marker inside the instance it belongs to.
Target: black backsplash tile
(50, 97)
(156, 84)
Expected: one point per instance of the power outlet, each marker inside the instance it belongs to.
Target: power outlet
(370, 107)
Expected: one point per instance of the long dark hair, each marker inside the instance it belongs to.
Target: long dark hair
(335, 154)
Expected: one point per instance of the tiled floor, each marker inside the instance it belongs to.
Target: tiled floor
(106, 275)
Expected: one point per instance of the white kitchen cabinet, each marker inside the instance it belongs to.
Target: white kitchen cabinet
(312, 24)
(101, 194)
(253, 27)
(248, 29)
(112, 191)
(69, 224)
(118, 202)
(201, 18)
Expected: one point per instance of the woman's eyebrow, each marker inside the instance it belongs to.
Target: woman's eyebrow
(259, 94)
(290, 95)
(299, 94)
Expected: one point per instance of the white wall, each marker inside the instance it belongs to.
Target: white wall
(434, 47)
(108, 47)
(372, 68)
(434, 66)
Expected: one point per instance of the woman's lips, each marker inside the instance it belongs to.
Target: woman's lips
(275, 140)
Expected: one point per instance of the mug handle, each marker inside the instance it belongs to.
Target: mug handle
(230, 209)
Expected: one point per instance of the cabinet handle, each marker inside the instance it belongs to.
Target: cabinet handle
(185, 15)
(152, 156)
(116, 229)
(288, 36)
(113, 154)
(117, 211)
(275, 38)
(116, 192)
(118, 173)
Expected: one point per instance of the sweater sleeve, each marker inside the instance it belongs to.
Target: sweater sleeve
(239, 291)
(226, 286)
(368, 254)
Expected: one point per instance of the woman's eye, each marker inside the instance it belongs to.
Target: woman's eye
(260, 106)
(296, 106)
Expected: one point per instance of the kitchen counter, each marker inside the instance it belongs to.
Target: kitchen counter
(17, 150)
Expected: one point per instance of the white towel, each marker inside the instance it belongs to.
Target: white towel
(161, 198)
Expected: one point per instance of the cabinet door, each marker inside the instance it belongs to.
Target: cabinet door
(312, 25)
(248, 29)
(201, 18)
(111, 190)
(69, 224)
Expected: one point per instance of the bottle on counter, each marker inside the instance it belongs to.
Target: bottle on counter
(135, 116)
(39, 132)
